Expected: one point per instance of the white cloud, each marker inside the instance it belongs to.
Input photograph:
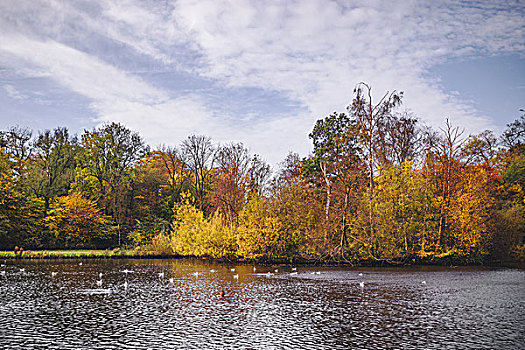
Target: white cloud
(312, 52)
(14, 93)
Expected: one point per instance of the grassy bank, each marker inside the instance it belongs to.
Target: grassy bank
(81, 253)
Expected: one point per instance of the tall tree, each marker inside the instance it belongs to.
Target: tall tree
(53, 164)
(199, 155)
(369, 116)
(442, 170)
(336, 161)
(17, 145)
(108, 154)
(233, 164)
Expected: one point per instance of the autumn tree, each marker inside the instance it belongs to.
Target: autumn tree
(337, 163)
(199, 158)
(107, 156)
(370, 116)
(52, 166)
(231, 186)
(20, 212)
(399, 211)
(77, 222)
(258, 176)
(16, 143)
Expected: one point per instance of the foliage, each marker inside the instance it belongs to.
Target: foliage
(378, 187)
(193, 234)
(77, 222)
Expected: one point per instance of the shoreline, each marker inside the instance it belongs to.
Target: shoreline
(137, 254)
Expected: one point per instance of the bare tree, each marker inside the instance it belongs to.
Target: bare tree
(259, 175)
(199, 155)
(233, 161)
(370, 116)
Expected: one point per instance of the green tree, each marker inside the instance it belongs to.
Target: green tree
(20, 212)
(108, 155)
(52, 166)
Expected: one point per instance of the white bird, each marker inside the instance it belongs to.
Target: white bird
(360, 274)
(126, 271)
(236, 276)
(213, 271)
(232, 270)
(276, 270)
(362, 284)
(196, 274)
(22, 270)
(161, 274)
(423, 282)
(254, 269)
(53, 274)
(294, 268)
(99, 283)
(171, 280)
(80, 263)
(317, 272)
(100, 275)
(125, 284)
(2, 265)
(2, 273)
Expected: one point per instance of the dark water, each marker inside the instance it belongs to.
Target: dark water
(462, 308)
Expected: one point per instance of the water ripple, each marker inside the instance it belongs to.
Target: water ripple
(199, 309)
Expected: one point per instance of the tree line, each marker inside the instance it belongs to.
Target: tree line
(378, 187)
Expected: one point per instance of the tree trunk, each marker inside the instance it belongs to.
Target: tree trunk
(328, 199)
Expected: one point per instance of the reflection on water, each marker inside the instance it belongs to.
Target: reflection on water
(186, 304)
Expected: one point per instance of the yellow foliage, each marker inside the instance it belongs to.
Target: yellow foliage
(195, 235)
(258, 230)
(75, 220)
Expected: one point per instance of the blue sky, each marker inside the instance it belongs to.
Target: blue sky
(260, 72)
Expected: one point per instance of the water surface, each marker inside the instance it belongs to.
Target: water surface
(209, 306)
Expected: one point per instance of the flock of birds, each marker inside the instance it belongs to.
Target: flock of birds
(171, 280)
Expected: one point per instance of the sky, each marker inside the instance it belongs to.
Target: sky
(254, 71)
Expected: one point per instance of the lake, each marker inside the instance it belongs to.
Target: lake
(193, 304)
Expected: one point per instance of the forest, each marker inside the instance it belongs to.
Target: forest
(378, 187)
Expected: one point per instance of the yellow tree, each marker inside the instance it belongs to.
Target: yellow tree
(470, 212)
(258, 230)
(399, 210)
(77, 222)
